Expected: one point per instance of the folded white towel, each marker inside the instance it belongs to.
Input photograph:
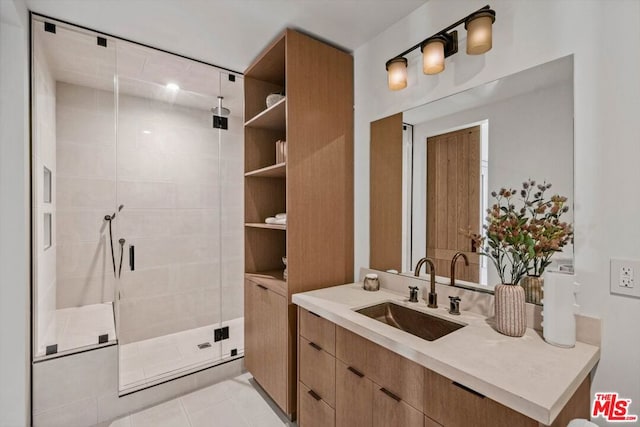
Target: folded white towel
(270, 220)
(281, 215)
(281, 221)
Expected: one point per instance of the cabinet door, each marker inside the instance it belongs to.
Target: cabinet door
(266, 340)
(354, 397)
(390, 410)
(313, 411)
(252, 337)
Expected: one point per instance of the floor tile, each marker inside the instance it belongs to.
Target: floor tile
(169, 414)
(201, 399)
(223, 414)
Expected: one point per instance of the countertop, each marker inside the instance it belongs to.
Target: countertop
(525, 374)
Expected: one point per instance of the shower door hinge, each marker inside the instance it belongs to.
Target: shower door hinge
(220, 122)
(221, 334)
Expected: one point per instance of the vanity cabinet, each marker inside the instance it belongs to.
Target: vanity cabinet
(313, 185)
(363, 384)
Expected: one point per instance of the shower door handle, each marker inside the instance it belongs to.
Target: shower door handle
(132, 257)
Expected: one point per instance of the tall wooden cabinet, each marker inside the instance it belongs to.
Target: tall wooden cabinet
(314, 186)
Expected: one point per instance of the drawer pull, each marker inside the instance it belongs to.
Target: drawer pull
(313, 314)
(262, 287)
(355, 371)
(315, 395)
(465, 388)
(391, 395)
(314, 345)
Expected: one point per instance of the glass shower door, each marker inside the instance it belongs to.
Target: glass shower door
(169, 296)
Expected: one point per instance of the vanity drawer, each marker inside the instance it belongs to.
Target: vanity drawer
(314, 411)
(390, 410)
(352, 349)
(397, 374)
(318, 330)
(318, 370)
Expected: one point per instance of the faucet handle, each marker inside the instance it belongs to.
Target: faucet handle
(413, 294)
(454, 305)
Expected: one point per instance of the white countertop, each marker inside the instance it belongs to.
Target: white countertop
(525, 374)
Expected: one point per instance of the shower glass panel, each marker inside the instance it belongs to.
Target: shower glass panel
(176, 183)
(74, 142)
(144, 238)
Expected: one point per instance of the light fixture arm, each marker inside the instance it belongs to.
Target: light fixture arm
(486, 8)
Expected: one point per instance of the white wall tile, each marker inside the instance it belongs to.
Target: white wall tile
(82, 193)
(86, 161)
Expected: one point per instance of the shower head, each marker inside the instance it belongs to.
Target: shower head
(220, 110)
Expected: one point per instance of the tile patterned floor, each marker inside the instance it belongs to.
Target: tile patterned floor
(149, 361)
(233, 403)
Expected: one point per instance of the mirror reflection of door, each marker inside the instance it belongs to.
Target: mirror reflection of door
(453, 200)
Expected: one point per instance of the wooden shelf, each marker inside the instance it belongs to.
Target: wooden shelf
(263, 225)
(273, 118)
(274, 171)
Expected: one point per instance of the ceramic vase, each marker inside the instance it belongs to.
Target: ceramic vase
(532, 288)
(511, 315)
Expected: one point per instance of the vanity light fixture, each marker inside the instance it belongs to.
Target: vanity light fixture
(444, 44)
(173, 87)
(397, 73)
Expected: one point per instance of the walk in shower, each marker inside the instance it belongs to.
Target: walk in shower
(137, 205)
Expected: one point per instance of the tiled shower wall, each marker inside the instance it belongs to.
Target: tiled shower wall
(86, 152)
(44, 154)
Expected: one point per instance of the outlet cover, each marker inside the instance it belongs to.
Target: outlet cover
(624, 277)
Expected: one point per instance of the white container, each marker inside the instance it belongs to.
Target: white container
(559, 308)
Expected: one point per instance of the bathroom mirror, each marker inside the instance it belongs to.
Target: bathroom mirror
(433, 169)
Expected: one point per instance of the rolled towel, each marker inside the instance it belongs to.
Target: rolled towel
(281, 215)
(281, 221)
(270, 220)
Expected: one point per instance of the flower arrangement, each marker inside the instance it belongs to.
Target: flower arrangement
(524, 230)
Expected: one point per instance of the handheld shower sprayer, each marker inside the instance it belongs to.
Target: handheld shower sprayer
(110, 219)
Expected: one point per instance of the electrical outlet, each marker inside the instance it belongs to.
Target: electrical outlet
(626, 276)
(622, 277)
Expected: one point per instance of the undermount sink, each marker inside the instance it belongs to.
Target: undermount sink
(414, 322)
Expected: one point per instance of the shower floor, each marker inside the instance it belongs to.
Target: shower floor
(155, 360)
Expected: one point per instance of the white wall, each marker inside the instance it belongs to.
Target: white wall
(607, 149)
(14, 215)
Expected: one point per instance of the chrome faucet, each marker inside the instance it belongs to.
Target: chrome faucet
(433, 297)
(453, 265)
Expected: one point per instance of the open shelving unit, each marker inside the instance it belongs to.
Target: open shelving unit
(314, 187)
